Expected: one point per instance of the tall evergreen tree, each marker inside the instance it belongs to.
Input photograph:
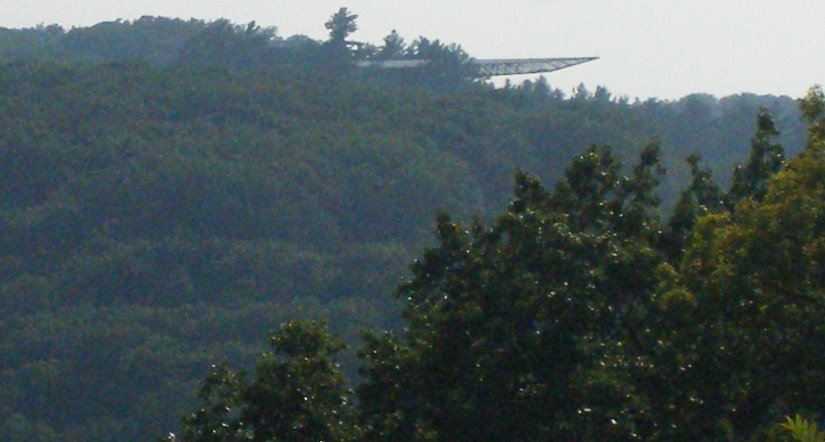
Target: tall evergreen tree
(766, 158)
(701, 197)
(340, 26)
(394, 46)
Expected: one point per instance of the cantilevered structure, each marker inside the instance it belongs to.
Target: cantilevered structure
(510, 66)
(493, 67)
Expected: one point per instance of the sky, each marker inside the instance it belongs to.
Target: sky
(648, 48)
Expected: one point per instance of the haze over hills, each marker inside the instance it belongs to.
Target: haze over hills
(173, 190)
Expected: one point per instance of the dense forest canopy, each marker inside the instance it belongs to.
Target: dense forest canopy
(171, 191)
(573, 316)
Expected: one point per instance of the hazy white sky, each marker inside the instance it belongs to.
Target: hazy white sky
(648, 48)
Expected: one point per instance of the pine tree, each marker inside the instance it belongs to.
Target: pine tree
(766, 158)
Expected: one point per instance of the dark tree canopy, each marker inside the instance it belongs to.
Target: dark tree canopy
(751, 178)
(298, 394)
(340, 26)
(394, 46)
(564, 320)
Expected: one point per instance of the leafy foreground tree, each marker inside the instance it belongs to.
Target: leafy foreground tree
(518, 331)
(506, 326)
(298, 394)
(743, 327)
(568, 319)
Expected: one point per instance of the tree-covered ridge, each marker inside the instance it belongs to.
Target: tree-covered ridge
(565, 319)
(163, 207)
(164, 42)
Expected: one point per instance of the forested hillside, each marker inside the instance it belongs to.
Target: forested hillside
(578, 315)
(171, 191)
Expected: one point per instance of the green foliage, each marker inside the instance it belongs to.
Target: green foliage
(813, 107)
(766, 158)
(222, 44)
(302, 395)
(394, 46)
(298, 394)
(539, 290)
(170, 190)
(562, 320)
(802, 430)
(753, 282)
(701, 197)
(341, 25)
